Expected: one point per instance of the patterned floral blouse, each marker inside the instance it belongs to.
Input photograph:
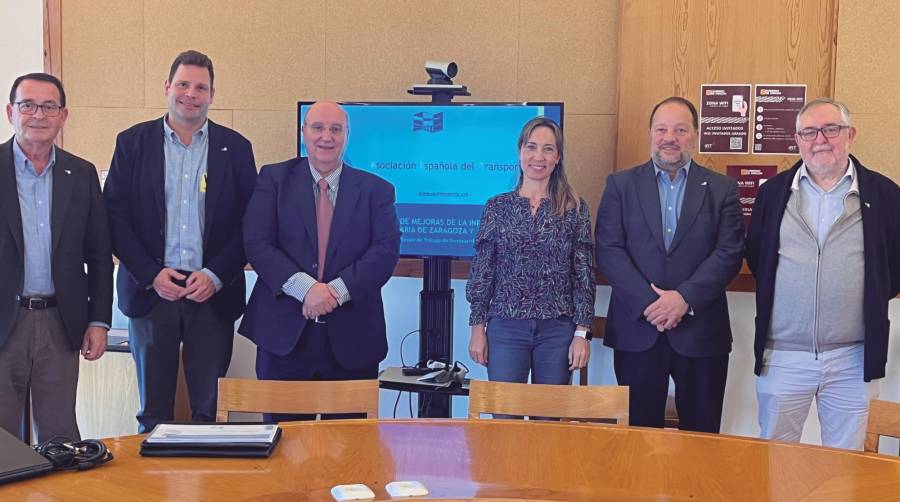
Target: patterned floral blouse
(532, 267)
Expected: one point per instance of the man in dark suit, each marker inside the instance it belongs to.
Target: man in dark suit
(324, 238)
(55, 263)
(669, 240)
(176, 192)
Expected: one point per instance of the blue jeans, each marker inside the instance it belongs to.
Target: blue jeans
(541, 346)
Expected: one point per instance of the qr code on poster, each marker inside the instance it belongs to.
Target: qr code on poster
(737, 143)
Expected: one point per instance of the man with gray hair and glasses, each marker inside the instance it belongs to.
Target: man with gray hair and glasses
(824, 246)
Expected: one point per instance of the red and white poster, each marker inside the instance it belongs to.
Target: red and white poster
(749, 179)
(725, 118)
(776, 107)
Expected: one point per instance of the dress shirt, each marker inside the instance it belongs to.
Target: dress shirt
(820, 208)
(186, 167)
(299, 284)
(35, 204)
(671, 198)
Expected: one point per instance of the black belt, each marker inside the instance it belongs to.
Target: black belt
(36, 302)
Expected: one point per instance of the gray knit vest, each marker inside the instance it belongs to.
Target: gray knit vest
(818, 302)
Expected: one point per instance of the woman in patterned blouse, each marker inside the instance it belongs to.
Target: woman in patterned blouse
(531, 282)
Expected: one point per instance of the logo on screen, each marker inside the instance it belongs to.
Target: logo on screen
(428, 122)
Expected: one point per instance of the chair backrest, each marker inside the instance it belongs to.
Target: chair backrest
(884, 420)
(553, 401)
(280, 396)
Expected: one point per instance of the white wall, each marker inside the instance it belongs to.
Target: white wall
(22, 39)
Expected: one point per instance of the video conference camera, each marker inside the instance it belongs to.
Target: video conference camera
(441, 72)
(440, 84)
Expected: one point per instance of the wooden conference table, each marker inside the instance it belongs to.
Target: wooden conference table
(486, 459)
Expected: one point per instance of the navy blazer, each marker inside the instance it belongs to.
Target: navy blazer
(363, 248)
(136, 205)
(880, 207)
(79, 238)
(703, 258)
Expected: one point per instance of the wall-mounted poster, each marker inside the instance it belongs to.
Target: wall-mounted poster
(776, 107)
(725, 118)
(749, 179)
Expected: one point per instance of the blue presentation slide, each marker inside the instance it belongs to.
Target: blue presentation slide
(445, 162)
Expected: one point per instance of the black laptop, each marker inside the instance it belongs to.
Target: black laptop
(18, 460)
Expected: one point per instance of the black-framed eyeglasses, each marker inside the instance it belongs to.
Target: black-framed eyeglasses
(829, 131)
(50, 108)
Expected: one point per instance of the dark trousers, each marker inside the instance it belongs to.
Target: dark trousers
(37, 355)
(205, 341)
(699, 386)
(311, 360)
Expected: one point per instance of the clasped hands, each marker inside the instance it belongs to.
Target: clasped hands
(199, 287)
(666, 312)
(321, 299)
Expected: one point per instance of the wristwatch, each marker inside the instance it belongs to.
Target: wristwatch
(581, 333)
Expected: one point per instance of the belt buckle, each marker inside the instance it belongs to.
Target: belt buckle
(37, 303)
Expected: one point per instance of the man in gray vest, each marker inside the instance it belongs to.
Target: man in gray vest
(824, 246)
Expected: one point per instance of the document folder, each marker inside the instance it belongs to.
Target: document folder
(211, 440)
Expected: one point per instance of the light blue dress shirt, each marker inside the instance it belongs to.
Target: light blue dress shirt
(185, 192)
(671, 198)
(35, 200)
(822, 208)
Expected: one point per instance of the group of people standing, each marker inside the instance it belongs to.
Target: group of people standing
(823, 245)
(184, 210)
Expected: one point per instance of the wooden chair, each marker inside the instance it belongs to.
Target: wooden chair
(884, 420)
(556, 401)
(279, 396)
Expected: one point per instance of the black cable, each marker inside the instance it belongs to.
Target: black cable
(403, 364)
(65, 454)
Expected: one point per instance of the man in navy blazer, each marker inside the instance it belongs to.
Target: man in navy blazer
(323, 238)
(669, 240)
(175, 195)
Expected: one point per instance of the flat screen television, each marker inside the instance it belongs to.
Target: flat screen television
(445, 162)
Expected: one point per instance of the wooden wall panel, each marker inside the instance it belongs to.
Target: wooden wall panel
(590, 150)
(265, 54)
(103, 54)
(567, 52)
(266, 130)
(672, 47)
(376, 50)
(868, 79)
(269, 56)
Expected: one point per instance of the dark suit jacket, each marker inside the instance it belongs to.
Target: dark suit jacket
(363, 248)
(880, 207)
(703, 258)
(135, 200)
(79, 237)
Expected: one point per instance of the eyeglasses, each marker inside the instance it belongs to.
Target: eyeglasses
(320, 128)
(50, 108)
(829, 131)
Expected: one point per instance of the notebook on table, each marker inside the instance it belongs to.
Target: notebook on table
(211, 440)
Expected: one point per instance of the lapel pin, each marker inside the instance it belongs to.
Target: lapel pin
(68, 172)
(224, 148)
(703, 184)
(867, 204)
